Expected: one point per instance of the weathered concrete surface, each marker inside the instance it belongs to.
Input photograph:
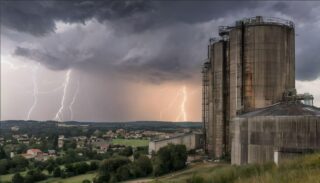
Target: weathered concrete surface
(190, 140)
(257, 135)
(250, 69)
(262, 63)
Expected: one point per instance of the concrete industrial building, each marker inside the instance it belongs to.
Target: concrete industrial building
(249, 67)
(274, 133)
(190, 140)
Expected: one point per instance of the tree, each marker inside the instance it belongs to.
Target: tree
(57, 172)
(34, 176)
(145, 164)
(123, 173)
(17, 178)
(127, 151)
(2, 153)
(109, 167)
(81, 168)
(136, 171)
(4, 166)
(69, 145)
(179, 157)
(170, 158)
(69, 170)
(112, 164)
(19, 162)
(93, 165)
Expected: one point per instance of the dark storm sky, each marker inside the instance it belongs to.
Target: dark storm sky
(137, 44)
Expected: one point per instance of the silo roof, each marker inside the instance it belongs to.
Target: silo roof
(285, 109)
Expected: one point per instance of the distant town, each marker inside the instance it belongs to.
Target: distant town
(48, 148)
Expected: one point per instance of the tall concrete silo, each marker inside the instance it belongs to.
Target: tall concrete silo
(215, 100)
(218, 98)
(262, 62)
(251, 66)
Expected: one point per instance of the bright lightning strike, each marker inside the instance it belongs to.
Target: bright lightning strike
(73, 100)
(183, 114)
(183, 95)
(35, 91)
(59, 114)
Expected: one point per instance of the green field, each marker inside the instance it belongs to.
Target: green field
(75, 179)
(8, 177)
(131, 142)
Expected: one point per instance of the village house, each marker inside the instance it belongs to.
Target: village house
(38, 155)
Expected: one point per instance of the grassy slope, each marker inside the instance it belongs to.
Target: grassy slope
(131, 142)
(305, 169)
(8, 177)
(75, 179)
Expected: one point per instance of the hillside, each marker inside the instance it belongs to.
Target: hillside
(304, 169)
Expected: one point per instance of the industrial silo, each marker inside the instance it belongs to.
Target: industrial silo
(251, 65)
(275, 133)
(216, 127)
(262, 62)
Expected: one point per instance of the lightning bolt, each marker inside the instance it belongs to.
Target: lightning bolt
(170, 105)
(183, 95)
(59, 114)
(73, 100)
(183, 114)
(35, 91)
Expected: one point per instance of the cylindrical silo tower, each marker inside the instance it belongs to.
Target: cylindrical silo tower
(252, 64)
(216, 132)
(262, 62)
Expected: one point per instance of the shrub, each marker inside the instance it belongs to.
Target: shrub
(57, 172)
(170, 158)
(94, 165)
(123, 173)
(17, 178)
(127, 151)
(145, 164)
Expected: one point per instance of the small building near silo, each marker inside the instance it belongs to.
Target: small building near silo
(275, 133)
(190, 140)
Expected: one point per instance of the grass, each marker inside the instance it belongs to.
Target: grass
(75, 179)
(131, 142)
(305, 169)
(8, 177)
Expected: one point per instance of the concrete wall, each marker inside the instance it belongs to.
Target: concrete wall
(262, 63)
(191, 141)
(256, 139)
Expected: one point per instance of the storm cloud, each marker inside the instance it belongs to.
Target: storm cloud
(146, 40)
(38, 17)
